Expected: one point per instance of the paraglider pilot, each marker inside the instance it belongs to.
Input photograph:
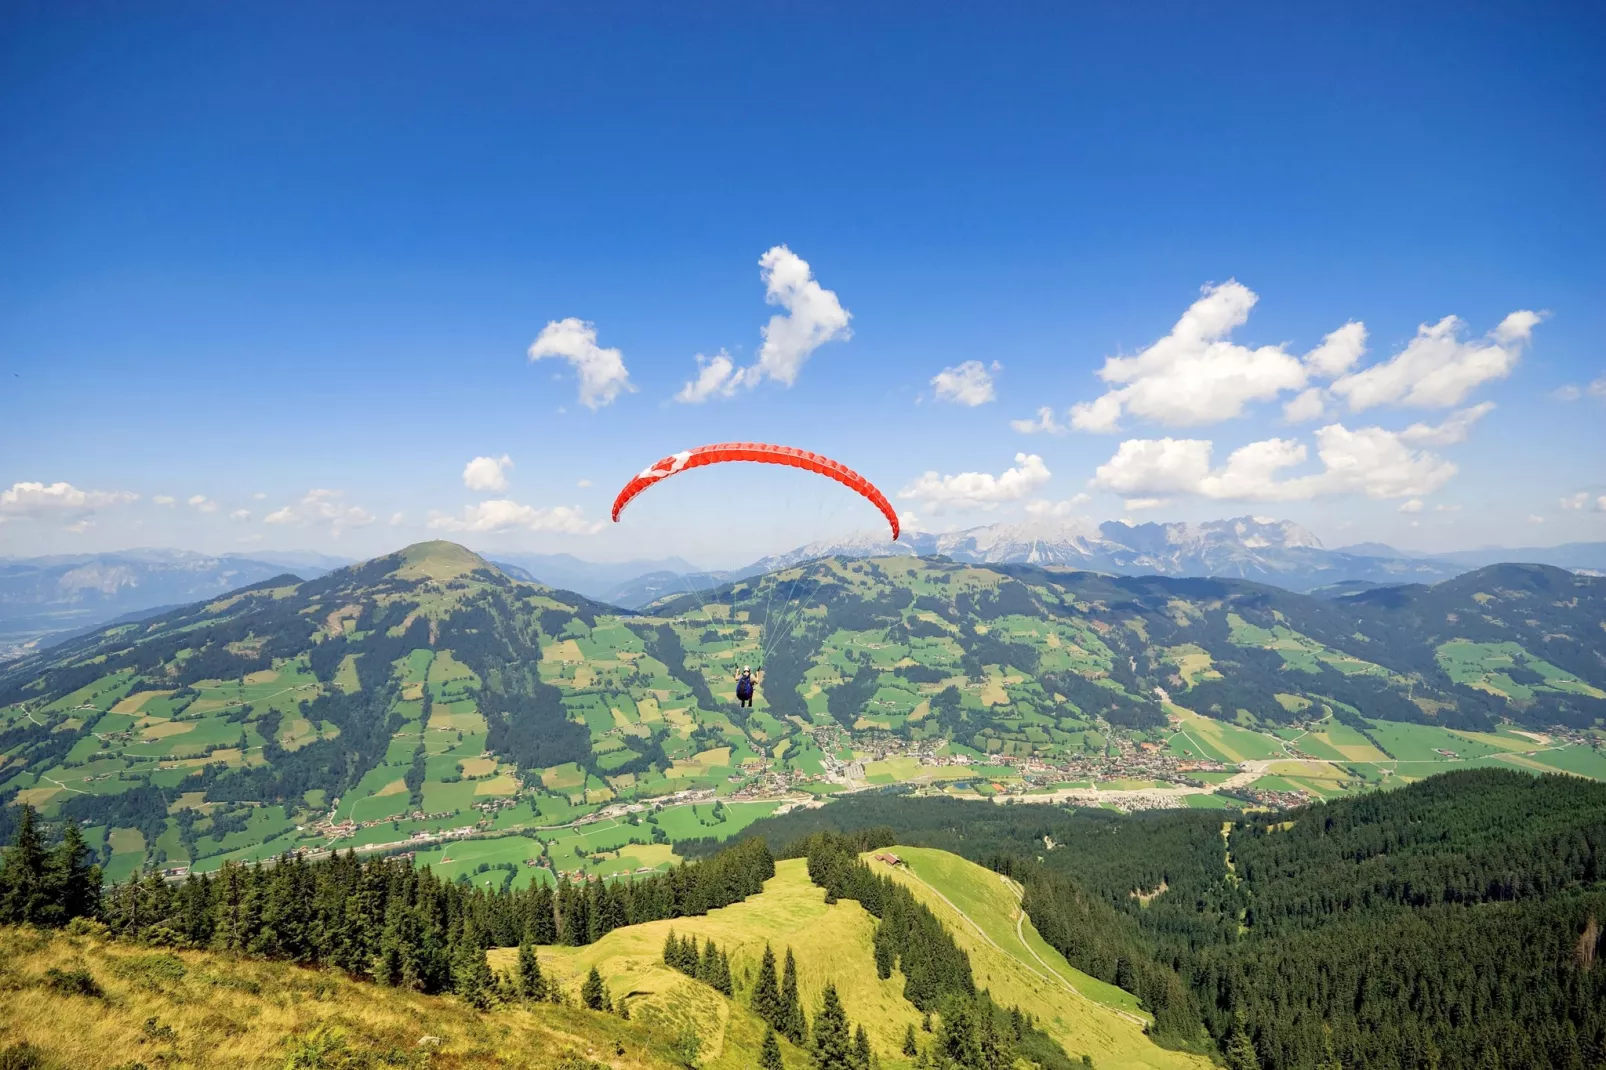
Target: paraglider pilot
(746, 682)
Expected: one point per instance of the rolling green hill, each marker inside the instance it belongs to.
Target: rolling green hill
(507, 732)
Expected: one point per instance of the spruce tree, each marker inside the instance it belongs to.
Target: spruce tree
(910, 1048)
(722, 975)
(708, 965)
(529, 982)
(833, 1043)
(861, 1049)
(471, 974)
(72, 883)
(23, 893)
(1240, 1049)
(594, 994)
(769, 1056)
(794, 1025)
(925, 1022)
(766, 990)
(671, 950)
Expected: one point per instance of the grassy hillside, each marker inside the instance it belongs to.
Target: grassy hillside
(833, 944)
(424, 698)
(197, 1009)
(982, 910)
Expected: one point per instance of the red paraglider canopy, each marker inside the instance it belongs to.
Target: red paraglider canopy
(760, 453)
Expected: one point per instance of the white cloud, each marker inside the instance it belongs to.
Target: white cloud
(1044, 423)
(979, 490)
(1369, 460)
(78, 527)
(716, 376)
(321, 506)
(1100, 416)
(1575, 502)
(1455, 427)
(487, 473)
(398, 519)
(813, 317)
(501, 515)
(1134, 505)
(1412, 506)
(1163, 465)
(202, 504)
(1566, 393)
(1309, 404)
(1195, 375)
(1438, 368)
(970, 383)
(39, 500)
(1446, 508)
(1535, 518)
(908, 521)
(260, 495)
(1597, 388)
(602, 372)
(164, 499)
(1046, 508)
(1338, 352)
(240, 514)
(582, 484)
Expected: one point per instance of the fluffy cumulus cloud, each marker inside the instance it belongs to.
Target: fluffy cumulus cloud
(1584, 500)
(1596, 389)
(602, 372)
(1196, 374)
(970, 383)
(1414, 505)
(39, 501)
(979, 490)
(1372, 461)
(165, 499)
(322, 508)
(716, 377)
(1044, 507)
(500, 515)
(202, 504)
(487, 473)
(1043, 423)
(812, 317)
(1439, 368)
(240, 515)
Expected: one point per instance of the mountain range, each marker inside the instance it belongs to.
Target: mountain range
(45, 597)
(53, 596)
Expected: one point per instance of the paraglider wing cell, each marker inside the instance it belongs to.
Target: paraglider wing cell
(759, 453)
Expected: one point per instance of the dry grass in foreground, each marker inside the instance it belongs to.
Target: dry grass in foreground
(83, 1002)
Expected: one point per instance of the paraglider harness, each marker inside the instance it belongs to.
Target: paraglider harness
(744, 689)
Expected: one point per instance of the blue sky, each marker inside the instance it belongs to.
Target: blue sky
(305, 255)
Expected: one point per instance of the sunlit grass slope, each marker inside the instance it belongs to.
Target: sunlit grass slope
(832, 943)
(196, 1009)
(982, 910)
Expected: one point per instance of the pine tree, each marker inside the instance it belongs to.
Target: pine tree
(529, 982)
(23, 893)
(72, 883)
(794, 1025)
(1330, 1060)
(671, 950)
(910, 1048)
(1240, 1049)
(769, 1056)
(925, 1022)
(471, 974)
(722, 975)
(594, 994)
(833, 1043)
(708, 965)
(861, 1049)
(766, 1001)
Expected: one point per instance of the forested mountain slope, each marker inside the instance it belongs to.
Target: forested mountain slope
(425, 695)
(1454, 922)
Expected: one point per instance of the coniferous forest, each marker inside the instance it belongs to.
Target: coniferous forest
(1453, 922)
